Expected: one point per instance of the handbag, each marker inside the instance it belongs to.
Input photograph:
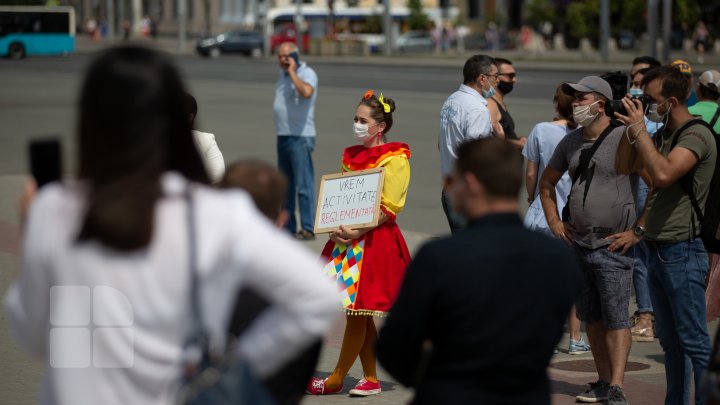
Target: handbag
(208, 379)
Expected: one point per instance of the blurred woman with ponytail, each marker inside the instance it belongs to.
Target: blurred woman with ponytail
(104, 293)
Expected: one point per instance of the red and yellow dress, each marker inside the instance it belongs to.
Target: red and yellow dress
(369, 272)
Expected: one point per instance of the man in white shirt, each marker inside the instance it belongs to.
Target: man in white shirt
(465, 116)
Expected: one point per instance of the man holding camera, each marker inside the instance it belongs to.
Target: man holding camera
(678, 259)
(598, 224)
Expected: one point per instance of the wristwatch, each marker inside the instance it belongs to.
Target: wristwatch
(639, 231)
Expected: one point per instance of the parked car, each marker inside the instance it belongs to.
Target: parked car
(250, 43)
(415, 41)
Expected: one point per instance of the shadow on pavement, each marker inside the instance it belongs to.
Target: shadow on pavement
(559, 387)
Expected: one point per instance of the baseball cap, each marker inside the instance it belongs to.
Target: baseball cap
(711, 79)
(589, 84)
(682, 66)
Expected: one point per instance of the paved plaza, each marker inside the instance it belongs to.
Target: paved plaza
(38, 97)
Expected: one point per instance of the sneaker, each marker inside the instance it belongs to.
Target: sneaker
(616, 396)
(305, 235)
(316, 386)
(597, 392)
(578, 347)
(365, 388)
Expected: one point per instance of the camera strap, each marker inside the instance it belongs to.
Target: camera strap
(583, 164)
(587, 154)
(715, 117)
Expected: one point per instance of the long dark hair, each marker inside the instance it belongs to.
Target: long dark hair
(133, 126)
(563, 107)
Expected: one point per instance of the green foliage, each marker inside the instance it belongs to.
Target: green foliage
(631, 16)
(497, 18)
(687, 12)
(23, 3)
(539, 11)
(583, 18)
(417, 20)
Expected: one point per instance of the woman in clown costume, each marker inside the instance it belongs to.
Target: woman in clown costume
(374, 258)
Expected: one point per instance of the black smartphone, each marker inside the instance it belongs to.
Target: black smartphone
(295, 56)
(45, 160)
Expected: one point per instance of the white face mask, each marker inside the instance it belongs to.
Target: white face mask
(652, 113)
(361, 131)
(582, 115)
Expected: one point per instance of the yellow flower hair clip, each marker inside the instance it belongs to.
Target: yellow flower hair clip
(386, 106)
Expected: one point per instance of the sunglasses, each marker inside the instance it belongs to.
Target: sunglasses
(509, 75)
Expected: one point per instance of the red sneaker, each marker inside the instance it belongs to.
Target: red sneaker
(365, 388)
(316, 386)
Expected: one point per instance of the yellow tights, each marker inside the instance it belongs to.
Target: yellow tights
(360, 337)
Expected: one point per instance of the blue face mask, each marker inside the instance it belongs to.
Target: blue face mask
(635, 92)
(488, 93)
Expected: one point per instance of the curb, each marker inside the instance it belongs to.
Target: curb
(556, 61)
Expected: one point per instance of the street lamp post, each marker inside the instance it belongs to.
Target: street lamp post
(667, 18)
(182, 24)
(652, 27)
(604, 29)
(387, 27)
(299, 24)
(110, 15)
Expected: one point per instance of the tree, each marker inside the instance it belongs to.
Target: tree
(631, 16)
(539, 11)
(583, 18)
(23, 2)
(687, 12)
(417, 20)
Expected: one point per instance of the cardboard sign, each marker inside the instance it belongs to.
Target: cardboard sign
(351, 199)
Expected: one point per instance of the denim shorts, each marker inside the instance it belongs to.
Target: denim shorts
(606, 289)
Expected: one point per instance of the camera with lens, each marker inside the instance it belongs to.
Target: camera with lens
(618, 85)
(613, 106)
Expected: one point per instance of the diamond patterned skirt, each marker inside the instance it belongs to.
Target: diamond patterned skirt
(368, 272)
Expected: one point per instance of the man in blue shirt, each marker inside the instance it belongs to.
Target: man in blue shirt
(465, 116)
(294, 116)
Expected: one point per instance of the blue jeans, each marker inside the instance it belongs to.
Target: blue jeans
(295, 161)
(641, 281)
(677, 288)
(456, 221)
(640, 253)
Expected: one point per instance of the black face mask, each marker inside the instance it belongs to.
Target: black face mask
(505, 87)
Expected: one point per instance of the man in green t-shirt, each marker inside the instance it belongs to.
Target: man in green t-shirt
(678, 259)
(708, 95)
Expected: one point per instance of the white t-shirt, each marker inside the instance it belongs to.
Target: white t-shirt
(112, 324)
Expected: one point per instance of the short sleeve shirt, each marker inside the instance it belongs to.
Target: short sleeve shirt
(670, 216)
(602, 202)
(541, 144)
(463, 116)
(706, 110)
(294, 114)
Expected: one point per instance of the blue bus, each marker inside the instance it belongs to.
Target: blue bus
(30, 30)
